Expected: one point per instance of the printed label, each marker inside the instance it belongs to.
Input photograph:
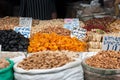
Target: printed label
(111, 43)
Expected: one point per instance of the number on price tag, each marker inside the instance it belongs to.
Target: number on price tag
(25, 22)
(24, 31)
(111, 43)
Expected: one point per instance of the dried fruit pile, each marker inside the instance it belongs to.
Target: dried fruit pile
(99, 23)
(43, 41)
(3, 63)
(105, 59)
(44, 61)
(12, 41)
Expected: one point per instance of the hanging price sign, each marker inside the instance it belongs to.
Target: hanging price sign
(25, 31)
(111, 43)
(24, 27)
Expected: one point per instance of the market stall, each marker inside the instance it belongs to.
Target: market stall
(83, 48)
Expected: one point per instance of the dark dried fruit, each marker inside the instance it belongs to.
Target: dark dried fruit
(12, 41)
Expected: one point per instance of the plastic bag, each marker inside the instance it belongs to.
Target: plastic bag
(70, 71)
(7, 73)
(95, 3)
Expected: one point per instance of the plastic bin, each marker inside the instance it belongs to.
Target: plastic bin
(7, 73)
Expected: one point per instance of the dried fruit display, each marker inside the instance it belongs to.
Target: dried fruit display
(12, 41)
(44, 61)
(58, 30)
(99, 23)
(105, 59)
(3, 63)
(44, 41)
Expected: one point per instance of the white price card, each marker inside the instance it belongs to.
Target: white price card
(25, 22)
(25, 31)
(0, 48)
(80, 33)
(111, 43)
(71, 23)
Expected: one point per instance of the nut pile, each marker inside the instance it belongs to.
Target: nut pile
(3, 63)
(68, 53)
(44, 61)
(47, 23)
(7, 23)
(105, 59)
(44, 41)
(115, 26)
(12, 41)
(58, 30)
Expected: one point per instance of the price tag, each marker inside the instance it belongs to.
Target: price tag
(25, 22)
(111, 43)
(23, 30)
(71, 23)
(0, 48)
(80, 33)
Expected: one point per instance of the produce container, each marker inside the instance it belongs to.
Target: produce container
(7, 73)
(92, 73)
(47, 66)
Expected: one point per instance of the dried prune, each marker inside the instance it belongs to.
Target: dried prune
(12, 41)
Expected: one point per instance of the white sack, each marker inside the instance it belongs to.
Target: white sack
(70, 71)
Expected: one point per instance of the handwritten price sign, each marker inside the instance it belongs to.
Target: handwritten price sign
(24, 31)
(71, 23)
(25, 22)
(79, 33)
(111, 43)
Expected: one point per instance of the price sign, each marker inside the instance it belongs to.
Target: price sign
(79, 33)
(111, 43)
(24, 31)
(71, 23)
(0, 48)
(25, 22)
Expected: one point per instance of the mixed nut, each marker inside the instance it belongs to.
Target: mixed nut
(105, 59)
(3, 63)
(44, 61)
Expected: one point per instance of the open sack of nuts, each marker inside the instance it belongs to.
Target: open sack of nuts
(48, 66)
(104, 65)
